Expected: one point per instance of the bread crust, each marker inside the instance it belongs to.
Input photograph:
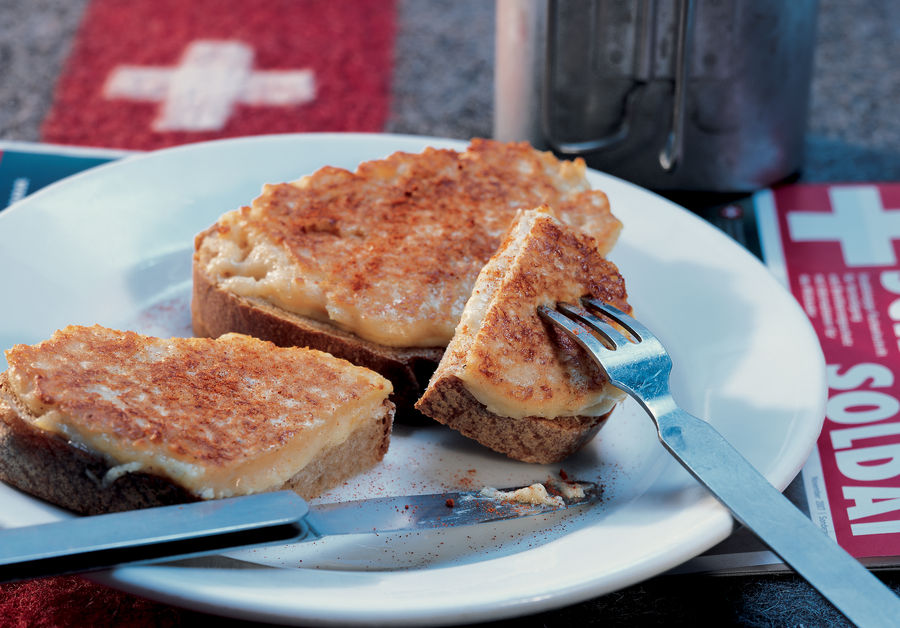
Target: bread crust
(52, 468)
(353, 456)
(216, 311)
(529, 439)
(48, 466)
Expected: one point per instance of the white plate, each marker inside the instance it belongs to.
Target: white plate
(113, 246)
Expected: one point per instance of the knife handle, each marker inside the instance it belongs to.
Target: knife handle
(151, 534)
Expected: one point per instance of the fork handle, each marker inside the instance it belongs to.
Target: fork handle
(853, 590)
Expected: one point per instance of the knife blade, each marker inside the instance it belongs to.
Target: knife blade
(189, 530)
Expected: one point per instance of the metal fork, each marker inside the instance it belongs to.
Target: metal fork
(640, 366)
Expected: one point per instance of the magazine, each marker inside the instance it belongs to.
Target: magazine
(26, 167)
(832, 245)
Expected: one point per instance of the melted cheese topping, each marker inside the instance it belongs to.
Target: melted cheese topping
(391, 252)
(535, 494)
(220, 417)
(505, 355)
(568, 490)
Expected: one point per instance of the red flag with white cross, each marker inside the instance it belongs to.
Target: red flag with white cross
(146, 74)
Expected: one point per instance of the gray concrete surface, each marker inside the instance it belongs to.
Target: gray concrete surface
(35, 36)
(443, 75)
(854, 123)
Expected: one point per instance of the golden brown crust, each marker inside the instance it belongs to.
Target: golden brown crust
(546, 262)
(507, 379)
(198, 400)
(402, 239)
(215, 311)
(530, 439)
(47, 466)
(389, 251)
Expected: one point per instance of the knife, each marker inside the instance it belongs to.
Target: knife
(187, 530)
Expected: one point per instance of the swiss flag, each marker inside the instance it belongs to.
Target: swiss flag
(146, 74)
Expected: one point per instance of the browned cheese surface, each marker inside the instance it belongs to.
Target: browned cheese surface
(214, 402)
(401, 240)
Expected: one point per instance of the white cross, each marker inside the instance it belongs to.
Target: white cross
(858, 220)
(201, 91)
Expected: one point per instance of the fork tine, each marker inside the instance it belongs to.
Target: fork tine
(574, 330)
(634, 328)
(609, 333)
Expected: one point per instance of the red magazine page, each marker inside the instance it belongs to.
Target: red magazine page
(835, 247)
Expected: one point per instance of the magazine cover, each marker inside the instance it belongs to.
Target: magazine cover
(833, 245)
(26, 167)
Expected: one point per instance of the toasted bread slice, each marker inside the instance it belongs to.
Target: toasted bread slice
(215, 309)
(509, 381)
(98, 420)
(376, 265)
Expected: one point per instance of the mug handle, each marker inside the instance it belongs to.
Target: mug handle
(671, 152)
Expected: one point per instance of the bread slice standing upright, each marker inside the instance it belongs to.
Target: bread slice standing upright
(98, 420)
(376, 265)
(507, 379)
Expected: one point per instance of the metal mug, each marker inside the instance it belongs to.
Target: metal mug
(696, 95)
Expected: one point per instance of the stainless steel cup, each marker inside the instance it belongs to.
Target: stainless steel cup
(698, 95)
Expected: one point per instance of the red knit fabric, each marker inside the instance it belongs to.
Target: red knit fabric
(73, 601)
(346, 45)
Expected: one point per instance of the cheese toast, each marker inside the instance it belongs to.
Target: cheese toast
(509, 381)
(376, 265)
(97, 420)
